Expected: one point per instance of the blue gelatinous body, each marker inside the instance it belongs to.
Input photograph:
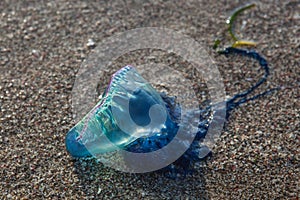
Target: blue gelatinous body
(129, 113)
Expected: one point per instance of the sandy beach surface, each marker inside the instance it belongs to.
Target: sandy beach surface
(42, 46)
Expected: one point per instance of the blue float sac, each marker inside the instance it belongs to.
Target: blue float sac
(131, 116)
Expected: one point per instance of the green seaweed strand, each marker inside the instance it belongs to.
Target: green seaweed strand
(230, 21)
(232, 18)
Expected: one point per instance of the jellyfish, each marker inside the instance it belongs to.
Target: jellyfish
(133, 116)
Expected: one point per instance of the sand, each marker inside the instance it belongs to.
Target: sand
(42, 46)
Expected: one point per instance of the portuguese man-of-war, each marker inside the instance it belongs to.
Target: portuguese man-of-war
(131, 105)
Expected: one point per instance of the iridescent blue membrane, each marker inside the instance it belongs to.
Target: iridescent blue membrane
(131, 115)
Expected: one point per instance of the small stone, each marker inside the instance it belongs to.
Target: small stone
(91, 44)
(99, 190)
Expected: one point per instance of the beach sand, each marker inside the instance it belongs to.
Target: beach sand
(42, 46)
